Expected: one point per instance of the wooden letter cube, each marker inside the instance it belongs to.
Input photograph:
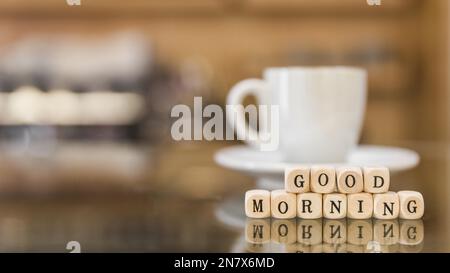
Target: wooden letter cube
(376, 179)
(257, 203)
(359, 205)
(309, 205)
(296, 180)
(283, 204)
(386, 205)
(334, 205)
(411, 205)
(349, 180)
(323, 179)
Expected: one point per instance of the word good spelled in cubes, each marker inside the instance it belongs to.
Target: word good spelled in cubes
(313, 192)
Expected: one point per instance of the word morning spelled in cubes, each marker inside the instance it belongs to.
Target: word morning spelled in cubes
(335, 193)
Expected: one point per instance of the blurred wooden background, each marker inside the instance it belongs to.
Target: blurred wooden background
(402, 43)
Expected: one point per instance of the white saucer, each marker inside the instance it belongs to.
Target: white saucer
(244, 159)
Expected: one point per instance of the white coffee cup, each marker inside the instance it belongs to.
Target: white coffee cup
(321, 109)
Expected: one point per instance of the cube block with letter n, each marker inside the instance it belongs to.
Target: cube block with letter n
(386, 205)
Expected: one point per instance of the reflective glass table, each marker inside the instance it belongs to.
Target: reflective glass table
(187, 203)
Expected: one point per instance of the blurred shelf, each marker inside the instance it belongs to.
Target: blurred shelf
(61, 8)
(91, 8)
(329, 6)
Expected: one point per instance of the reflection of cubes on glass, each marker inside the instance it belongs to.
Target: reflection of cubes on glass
(334, 206)
(309, 231)
(257, 231)
(284, 231)
(303, 248)
(412, 205)
(386, 205)
(296, 179)
(349, 180)
(359, 205)
(257, 203)
(386, 232)
(359, 232)
(411, 232)
(376, 179)
(334, 248)
(350, 248)
(334, 231)
(309, 205)
(283, 204)
(323, 179)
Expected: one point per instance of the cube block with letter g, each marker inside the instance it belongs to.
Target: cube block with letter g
(296, 179)
(411, 205)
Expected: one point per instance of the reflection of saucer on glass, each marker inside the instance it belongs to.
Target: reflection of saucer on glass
(254, 162)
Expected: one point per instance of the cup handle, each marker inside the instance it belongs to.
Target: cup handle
(236, 96)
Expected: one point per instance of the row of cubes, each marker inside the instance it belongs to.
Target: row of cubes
(327, 179)
(285, 205)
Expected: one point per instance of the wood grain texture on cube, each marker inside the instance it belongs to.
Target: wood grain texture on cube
(309, 205)
(297, 179)
(334, 206)
(412, 205)
(386, 205)
(309, 231)
(257, 231)
(323, 179)
(359, 205)
(257, 203)
(283, 204)
(376, 179)
(284, 231)
(349, 179)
